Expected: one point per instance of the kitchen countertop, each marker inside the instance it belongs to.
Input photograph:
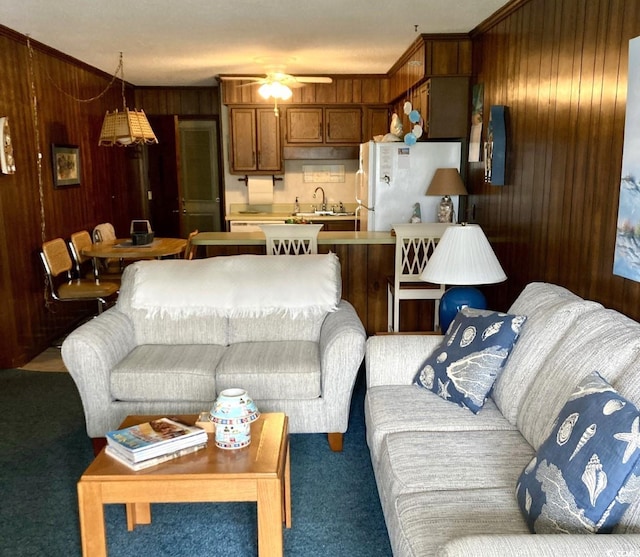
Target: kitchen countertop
(282, 211)
(258, 238)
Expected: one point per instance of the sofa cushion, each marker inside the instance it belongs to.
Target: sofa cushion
(272, 370)
(421, 523)
(421, 410)
(167, 373)
(267, 297)
(274, 328)
(464, 367)
(547, 322)
(602, 340)
(413, 461)
(584, 475)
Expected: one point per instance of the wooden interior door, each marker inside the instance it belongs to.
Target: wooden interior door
(200, 180)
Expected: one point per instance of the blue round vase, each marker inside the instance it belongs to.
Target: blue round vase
(454, 299)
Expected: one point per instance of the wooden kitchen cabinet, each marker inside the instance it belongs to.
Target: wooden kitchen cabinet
(304, 125)
(444, 104)
(323, 125)
(343, 125)
(255, 140)
(376, 122)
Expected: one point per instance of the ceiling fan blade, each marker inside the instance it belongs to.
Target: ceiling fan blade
(243, 78)
(313, 79)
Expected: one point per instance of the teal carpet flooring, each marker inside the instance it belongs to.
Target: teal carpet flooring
(44, 450)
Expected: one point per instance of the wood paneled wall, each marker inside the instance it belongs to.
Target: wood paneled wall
(561, 68)
(183, 101)
(108, 190)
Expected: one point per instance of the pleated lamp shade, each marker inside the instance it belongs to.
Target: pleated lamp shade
(463, 256)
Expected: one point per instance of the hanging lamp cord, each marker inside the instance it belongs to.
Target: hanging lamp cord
(118, 71)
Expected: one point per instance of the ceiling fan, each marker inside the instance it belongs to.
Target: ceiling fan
(277, 85)
(280, 77)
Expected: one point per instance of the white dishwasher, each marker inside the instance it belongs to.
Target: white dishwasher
(249, 225)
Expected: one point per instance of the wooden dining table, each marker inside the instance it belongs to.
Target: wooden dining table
(123, 248)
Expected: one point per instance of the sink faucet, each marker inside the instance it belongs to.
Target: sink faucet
(324, 199)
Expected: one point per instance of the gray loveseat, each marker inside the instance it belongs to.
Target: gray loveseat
(447, 477)
(182, 331)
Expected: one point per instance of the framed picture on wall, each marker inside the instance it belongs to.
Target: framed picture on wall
(65, 160)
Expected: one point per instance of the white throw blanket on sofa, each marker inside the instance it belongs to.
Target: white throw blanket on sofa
(238, 286)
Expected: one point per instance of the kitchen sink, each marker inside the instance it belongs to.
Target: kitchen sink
(324, 214)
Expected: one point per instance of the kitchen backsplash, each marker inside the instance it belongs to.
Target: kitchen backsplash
(293, 185)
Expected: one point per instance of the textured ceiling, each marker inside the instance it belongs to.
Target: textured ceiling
(189, 42)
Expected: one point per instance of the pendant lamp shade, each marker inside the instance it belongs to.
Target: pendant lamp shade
(128, 126)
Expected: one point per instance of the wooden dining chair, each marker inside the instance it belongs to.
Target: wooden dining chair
(291, 239)
(415, 244)
(87, 267)
(63, 286)
(105, 232)
(190, 249)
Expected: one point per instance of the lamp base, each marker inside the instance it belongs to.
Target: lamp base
(454, 299)
(445, 210)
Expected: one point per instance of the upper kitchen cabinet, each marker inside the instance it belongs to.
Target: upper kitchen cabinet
(323, 125)
(376, 121)
(304, 125)
(444, 104)
(344, 125)
(430, 56)
(255, 140)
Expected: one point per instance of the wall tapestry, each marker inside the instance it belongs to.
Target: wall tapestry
(626, 260)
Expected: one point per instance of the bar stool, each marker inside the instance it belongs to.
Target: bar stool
(414, 245)
(291, 239)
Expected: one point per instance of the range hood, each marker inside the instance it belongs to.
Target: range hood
(323, 152)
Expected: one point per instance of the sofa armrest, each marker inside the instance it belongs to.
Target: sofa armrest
(90, 353)
(394, 359)
(342, 344)
(545, 545)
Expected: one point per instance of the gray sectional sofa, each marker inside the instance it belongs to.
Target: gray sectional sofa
(182, 331)
(447, 477)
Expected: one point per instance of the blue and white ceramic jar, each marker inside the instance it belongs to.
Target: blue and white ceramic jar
(232, 414)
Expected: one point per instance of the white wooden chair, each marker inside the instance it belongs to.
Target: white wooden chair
(291, 239)
(415, 243)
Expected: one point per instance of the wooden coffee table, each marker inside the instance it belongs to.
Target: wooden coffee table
(259, 472)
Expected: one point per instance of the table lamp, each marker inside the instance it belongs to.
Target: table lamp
(463, 258)
(446, 182)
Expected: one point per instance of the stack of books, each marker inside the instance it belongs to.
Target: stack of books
(152, 443)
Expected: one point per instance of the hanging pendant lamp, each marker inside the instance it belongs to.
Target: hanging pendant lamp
(127, 127)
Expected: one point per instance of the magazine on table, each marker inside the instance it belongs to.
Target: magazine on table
(154, 438)
(154, 461)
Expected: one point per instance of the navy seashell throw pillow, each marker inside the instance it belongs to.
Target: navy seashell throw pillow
(585, 474)
(467, 362)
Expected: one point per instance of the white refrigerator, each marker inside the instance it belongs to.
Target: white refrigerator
(393, 177)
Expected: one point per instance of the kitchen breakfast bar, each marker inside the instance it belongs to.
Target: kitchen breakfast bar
(367, 261)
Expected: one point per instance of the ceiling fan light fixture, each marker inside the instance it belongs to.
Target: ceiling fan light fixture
(275, 90)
